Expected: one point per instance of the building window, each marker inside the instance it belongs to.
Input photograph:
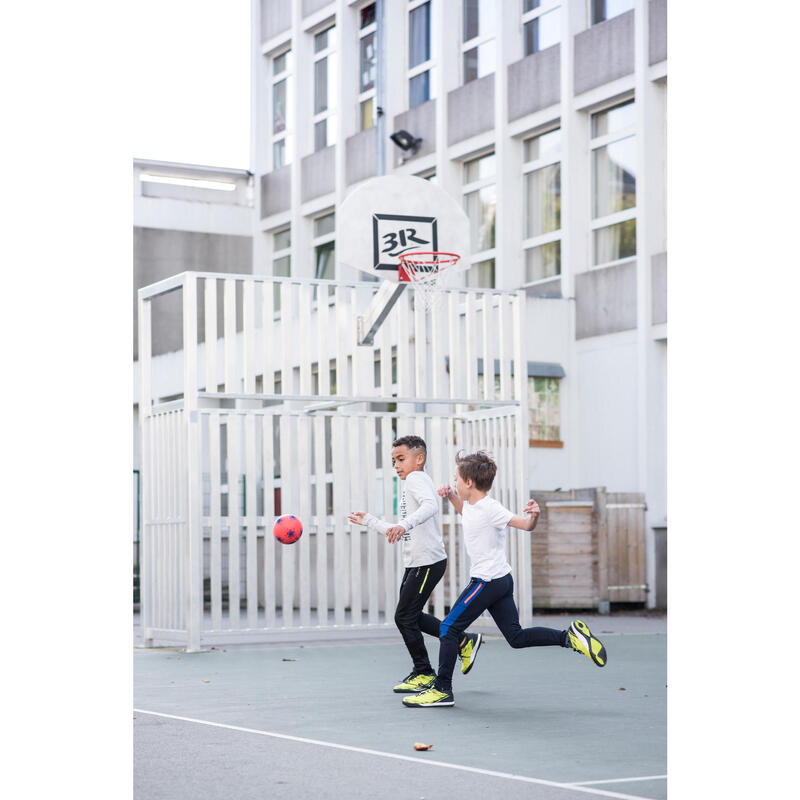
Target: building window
(482, 274)
(541, 25)
(324, 244)
(480, 203)
(613, 148)
(420, 54)
(281, 109)
(607, 9)
(281, 259)
(366, 67)
(494, 393)
(325, 99)
(542, 206)
(477, 37)
(544, 409)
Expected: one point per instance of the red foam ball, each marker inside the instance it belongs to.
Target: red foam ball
(287, 529)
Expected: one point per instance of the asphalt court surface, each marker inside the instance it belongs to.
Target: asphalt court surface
(321, 721)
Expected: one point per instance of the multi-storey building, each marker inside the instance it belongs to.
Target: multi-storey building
(546, 119)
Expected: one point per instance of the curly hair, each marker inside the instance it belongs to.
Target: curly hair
(478, 467)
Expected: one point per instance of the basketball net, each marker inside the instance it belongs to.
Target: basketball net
(430, 272)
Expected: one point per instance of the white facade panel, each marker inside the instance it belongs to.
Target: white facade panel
(606, 416)
(548, 332)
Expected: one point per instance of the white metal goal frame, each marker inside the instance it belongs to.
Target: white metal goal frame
(281, 411)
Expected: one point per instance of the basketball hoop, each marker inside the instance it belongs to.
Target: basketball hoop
(429, 271)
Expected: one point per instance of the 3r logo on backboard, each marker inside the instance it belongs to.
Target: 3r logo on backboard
(393, 235)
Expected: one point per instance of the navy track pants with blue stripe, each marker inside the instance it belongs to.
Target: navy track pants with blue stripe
(496, 597)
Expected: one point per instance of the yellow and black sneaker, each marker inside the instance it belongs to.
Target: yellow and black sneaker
(414, 682)
(469, 651)
(580, 638)
(430, 697)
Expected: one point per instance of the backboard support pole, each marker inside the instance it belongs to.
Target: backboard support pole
(383, 302)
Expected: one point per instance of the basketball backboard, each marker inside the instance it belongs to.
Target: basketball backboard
(391, 215)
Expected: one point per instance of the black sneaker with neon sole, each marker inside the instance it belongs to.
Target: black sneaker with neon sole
(469, 651)
(581, 640)
(429, 698)
(414, 683)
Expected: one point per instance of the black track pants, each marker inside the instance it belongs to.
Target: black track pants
(411, 620)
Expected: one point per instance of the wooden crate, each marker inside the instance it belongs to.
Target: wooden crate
(588, 549)
(564, 555)
(627, 577)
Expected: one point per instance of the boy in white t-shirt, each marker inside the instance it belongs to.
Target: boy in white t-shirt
(491, 586)
(424, 559)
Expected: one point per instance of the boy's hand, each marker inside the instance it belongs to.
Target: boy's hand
(532, 508)
(445, 491)
(395, 533)
(356, 517)
(526, 523)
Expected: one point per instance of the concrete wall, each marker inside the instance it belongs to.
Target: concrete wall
(175, 206)
(548, 338)
(470, 109)
(657, 432)
(534, 82)
(276, 17)
(658, 30)
(660, 535)
(547, 289)
(310, 6)
(421, 122)
(606, 415)
(190, 194)
(605, 301)
(658, 288)
(179, 215)
(657, 466)
(317, 174)
(604, 52)
(361, 156)
(276, 191)
(161, 253)
(137, 448)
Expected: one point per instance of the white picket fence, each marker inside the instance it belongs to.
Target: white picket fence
(261, 429)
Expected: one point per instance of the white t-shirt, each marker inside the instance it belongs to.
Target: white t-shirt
(419, 515)
(485, 524)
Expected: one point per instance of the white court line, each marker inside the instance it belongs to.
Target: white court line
(492, 773)
(621, 780)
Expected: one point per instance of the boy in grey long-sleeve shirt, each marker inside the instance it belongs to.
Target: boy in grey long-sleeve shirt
(424, 560)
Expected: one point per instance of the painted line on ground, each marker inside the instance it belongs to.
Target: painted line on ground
(416, 760)
(621, 780)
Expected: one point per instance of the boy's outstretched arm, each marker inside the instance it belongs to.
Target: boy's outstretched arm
(369, 521)
(526, 523)
(392, 530)
(447, 492)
